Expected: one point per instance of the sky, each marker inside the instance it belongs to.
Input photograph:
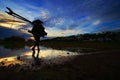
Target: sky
(64, 17)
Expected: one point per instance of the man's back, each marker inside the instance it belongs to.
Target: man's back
(38, 29)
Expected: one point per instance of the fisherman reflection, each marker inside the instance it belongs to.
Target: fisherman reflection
(37, 60)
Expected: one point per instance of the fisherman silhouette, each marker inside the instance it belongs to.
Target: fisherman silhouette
(38, 30)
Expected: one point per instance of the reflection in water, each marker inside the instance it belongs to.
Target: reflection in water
(5, 52)
(23, 56)
(36, 60)
(9, 60)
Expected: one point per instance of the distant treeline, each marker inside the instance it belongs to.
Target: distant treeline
(15, 39)
(103, 36)
(104, 40)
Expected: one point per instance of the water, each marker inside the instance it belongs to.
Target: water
(24, 56)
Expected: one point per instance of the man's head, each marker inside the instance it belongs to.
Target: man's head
(36, 22)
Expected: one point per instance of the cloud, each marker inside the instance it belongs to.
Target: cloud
(69, 15)
(54, 22)
(96, 22)
(44, 14)
(9, 21)
(54, 32)
(5, 32)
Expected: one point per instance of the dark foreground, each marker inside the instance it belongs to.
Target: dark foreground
(97, 66)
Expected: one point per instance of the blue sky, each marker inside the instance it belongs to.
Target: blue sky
(68, 17)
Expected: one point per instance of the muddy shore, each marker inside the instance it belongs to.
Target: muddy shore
(101, 65)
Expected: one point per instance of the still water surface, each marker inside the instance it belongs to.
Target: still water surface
(47, 55)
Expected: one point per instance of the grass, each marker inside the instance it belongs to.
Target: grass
(13, 44)
(102, 45)
(71, 45)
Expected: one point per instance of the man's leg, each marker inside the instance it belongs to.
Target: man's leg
(35, 44)
(33, 48)
(37, 39)
(38, 48)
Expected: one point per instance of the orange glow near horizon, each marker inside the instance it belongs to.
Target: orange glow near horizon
(8, 21)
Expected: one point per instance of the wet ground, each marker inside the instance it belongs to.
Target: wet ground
(23, 57)
(52, 64)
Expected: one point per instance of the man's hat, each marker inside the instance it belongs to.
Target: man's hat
(37, 21)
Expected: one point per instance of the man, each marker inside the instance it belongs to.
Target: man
(38, 31)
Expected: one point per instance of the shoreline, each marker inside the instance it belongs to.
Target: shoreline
(96, 66)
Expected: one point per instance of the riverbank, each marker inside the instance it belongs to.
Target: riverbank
(64, 44)
(82, 46)
(101, 64)
(94, 66)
